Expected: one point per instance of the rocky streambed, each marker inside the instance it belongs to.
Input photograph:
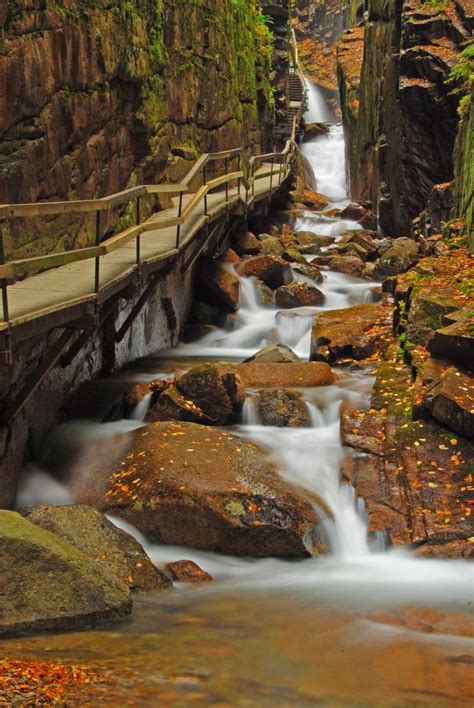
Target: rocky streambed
(228, 452)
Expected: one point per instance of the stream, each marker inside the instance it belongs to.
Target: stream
(339, 630)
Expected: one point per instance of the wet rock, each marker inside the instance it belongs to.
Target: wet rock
(231, 257)
(451, 401)
(352, 333)
(46, 583)
(221, 286)
(111, 550)
(203, 313)
(273, 246)
(311, 200)
(209, 393)
(314, 130)
(299, 295)
(283, 408)
(333, 213)
(275, 354)
(306, 238)
(246, 243)
(207, 489)
(302, 375)
(186, 571)
(265, 294)
(365, 433)
(310, 271)
(292, 255)
(349, 265)
(363, 215)
(398, 258)
(193, 332)
(272, 270)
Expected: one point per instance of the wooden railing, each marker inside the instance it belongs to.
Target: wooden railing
(11, 271)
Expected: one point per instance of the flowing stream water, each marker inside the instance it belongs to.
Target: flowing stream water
(269, 631)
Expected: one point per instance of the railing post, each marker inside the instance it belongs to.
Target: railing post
(138, 243)
(6, 313)
(97, 259)
(204, 184)
(226, 167)
(253, 178)
(271, 172)
(180, 211)
(281, 163)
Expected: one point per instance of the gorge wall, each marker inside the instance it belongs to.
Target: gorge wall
(400, 104)
(98, 96)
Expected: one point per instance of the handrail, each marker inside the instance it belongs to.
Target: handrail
(113, 200)
(16, 269)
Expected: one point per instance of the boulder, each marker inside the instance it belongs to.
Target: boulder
(311, 200)
(292, 255)
(273, 246)
(220, 285)
(352, 333)
(306, 238)
(109, 549)
(349, 265)
(275, 354)
(192, 485)
(309, 270)
(299, 295)
(314, 130)
(231, 257)
(246, 243)
(274, 271)
(282, 408)
(209, 393)
(205, 314)
(401, 255)
(186, 571)
(48, 584)
(303, 375)
(451, 401)
(362, 214)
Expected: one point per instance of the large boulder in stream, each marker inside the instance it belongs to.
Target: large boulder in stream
(274, 271)
(352, 333)
(109, 549)
(282, 408)
(299, 295)
(46, 583)
(210, 393)
(192, 485)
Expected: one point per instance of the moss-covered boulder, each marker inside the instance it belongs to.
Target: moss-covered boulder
(109, 549)
(192, 485)
(46, 583)
(428, 308)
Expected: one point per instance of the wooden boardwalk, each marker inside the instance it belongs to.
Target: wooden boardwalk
(75, 283)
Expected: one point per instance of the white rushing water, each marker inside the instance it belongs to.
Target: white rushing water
(310, 457)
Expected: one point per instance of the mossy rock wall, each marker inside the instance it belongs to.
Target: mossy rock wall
(401, 138)
(464, 169)
(95, 98)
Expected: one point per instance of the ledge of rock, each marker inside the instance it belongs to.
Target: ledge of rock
(352, 333)
(274, 354)
(192, 485)
(47, 584)
(186, 571)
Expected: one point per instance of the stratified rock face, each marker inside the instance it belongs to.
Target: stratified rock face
(192, 485)
(400, 129)
(108, 548)
(48, 584)
(96, 97)
(353, 333)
